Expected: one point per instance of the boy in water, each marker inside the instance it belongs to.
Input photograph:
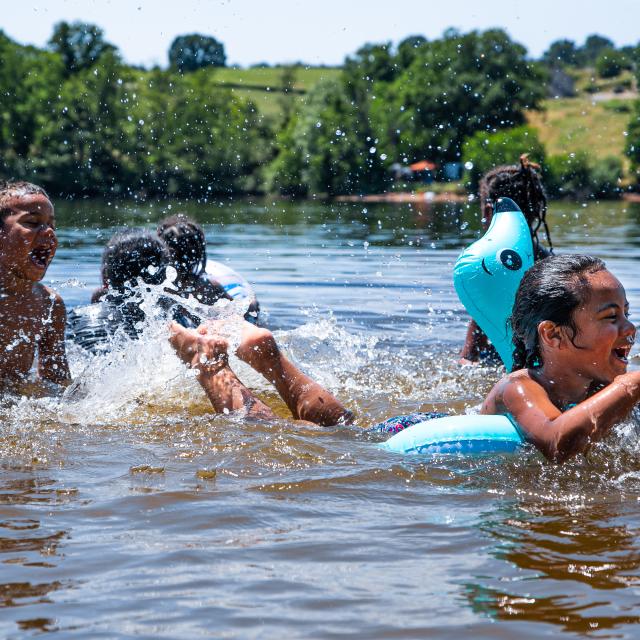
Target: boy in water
(32, 316)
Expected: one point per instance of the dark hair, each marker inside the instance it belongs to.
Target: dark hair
(129, 255)
(15, 187)
(523, 185)
(186, 244)
(550, 290)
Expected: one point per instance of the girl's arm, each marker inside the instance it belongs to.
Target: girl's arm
(562, 435)
(52, 359)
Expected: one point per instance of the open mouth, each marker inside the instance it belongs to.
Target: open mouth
(41, 256)
(622, 353)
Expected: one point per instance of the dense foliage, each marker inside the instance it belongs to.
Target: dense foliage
(484, 151)
(195, 51)
(77, 119)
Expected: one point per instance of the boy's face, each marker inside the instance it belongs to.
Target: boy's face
(28, 239)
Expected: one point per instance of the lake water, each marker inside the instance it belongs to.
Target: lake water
(128, 510)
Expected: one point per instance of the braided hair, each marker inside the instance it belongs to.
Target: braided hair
(550, 290)
(523, 185)
(186, 243)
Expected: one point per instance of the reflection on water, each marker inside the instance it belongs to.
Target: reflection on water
(127, 509)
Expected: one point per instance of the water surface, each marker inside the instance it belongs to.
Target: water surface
(129, 510)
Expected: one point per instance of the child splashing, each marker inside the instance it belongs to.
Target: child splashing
(572, 339)
(32, 315)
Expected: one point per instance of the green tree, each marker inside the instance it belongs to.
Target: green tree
(407, 50)
(606, 174)
(455, 86)
(87, 143)
(286, 101)
(593, 46)
(209, 141)
(610, 63)
(194, 51)
(632, 148)
(327, 142)
(79, 44)
(568, 175)
(561, 52)
(29, 80)
(484, 151)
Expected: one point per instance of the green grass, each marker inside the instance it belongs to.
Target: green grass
(583, 123)
(264, 85)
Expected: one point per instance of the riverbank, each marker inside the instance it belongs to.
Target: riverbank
(407, 196)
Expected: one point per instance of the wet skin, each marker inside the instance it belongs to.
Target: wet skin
(31, 314)
(573, 367)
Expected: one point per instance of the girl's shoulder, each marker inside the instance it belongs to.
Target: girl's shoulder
(518, 384)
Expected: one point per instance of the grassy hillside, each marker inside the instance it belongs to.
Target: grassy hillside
(591, 123)
(594, 121)
(264, 86)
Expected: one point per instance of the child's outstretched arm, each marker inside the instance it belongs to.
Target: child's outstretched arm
(306, 399)
(52, 359)
(560, 435)
(208, 356)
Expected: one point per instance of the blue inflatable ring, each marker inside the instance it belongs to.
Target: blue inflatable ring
(458, 435)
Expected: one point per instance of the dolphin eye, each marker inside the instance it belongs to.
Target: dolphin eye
(511, 259)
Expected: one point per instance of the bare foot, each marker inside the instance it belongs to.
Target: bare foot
(198, 350)
(258, 349)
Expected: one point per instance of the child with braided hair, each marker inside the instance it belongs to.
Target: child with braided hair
(523, 185)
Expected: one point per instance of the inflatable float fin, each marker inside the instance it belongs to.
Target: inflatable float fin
(487, 274)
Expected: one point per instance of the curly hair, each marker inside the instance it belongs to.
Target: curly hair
(523, 185)
(133, 254)
(186, 243)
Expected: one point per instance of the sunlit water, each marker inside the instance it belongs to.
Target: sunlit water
(130, 510)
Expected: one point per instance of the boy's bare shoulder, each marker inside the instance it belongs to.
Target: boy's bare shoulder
(52, 305)
(48, 294)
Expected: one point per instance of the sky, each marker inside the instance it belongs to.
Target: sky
(322, 32)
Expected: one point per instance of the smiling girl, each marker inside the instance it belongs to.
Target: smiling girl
(572, 338)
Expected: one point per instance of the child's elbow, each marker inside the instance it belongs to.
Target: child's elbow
(563, 447)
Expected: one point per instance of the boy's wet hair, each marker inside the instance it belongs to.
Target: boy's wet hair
(551, 289)
(10, 188)
(131, 255)
(186, 243)
(523, 185)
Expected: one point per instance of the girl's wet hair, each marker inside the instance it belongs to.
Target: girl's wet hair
(131, 255)
(186, 243)
(523, 185)
(550, 290)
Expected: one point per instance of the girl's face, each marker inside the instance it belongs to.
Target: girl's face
(605, 335)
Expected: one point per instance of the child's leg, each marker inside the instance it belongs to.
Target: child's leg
(306, 399)
(208, 355)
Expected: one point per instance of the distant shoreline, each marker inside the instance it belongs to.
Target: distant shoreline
(407, 196)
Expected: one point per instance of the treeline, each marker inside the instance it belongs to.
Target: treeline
(76, 119)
